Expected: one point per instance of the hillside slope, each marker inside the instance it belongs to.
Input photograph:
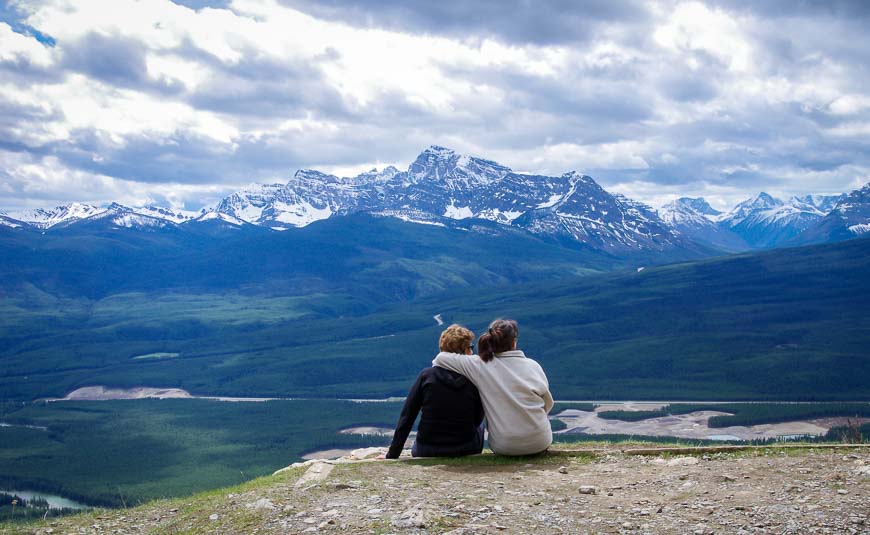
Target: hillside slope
(784, 324)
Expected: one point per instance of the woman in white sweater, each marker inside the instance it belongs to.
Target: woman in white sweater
(513, 388)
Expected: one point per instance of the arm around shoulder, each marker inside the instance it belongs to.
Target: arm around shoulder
(464, 364)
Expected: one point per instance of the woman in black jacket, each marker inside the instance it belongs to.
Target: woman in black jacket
(451, 424)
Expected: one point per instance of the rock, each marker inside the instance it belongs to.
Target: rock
(563, 469)
(262, 503)
(725, 478)
(588, 489)
(364, 453)
(682, 461)
(343, 486)
(213, 516)
(842, 491)
(294, 465)
(316, 472)
(414, 517)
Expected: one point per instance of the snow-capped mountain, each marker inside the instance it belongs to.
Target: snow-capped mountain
(824, 203)
(765, 221)
(47, 218)
(441, 185)
(849, 218)
(689, 212)
(115, 214)
(695, 218)
(589, 215)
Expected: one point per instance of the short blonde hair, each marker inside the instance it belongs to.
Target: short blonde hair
(455, 339)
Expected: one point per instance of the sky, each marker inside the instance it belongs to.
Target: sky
(181, 103)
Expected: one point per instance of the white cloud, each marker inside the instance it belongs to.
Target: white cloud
(695, 100)
(692, 26)
(16, 47)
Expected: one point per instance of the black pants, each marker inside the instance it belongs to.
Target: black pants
(472, 447)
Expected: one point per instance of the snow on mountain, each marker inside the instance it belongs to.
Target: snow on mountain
(848, 219)
(124, 216)
(212, 215)
(590, 215)
(765, 221)
(47, 218)
(762, 203)
(459, 172)
(441, 185)
(687, 211)
(7, 221)
(696, 219)
(117, 214)
(824, 203)
(166, 214)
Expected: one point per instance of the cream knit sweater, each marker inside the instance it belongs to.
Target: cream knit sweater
(516, 399)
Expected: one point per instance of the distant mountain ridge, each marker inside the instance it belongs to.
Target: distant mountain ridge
(439, 187)
(762, 221)
(442, 186)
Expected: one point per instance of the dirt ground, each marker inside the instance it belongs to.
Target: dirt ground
(765, 491)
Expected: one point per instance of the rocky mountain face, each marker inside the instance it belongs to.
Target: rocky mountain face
(849, 218)
(442, 185)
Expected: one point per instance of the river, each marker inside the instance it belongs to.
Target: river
(54, 502)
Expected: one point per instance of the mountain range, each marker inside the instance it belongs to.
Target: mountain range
(442, 187)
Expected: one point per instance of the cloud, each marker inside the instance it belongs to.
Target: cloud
(512, 21)
(194, 97)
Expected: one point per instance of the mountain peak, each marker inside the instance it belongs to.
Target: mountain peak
(438, 149)
(689, 211)
(764, 200)
(47, 218)
(699, 205)
(440, 163)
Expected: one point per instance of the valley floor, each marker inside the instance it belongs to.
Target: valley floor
(770, 490)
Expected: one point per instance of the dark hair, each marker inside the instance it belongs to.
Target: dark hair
(499, 338)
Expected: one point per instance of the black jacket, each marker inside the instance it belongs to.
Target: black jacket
(452, 414)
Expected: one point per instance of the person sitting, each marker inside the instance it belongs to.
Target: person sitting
(515, 392)
(451, 423)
